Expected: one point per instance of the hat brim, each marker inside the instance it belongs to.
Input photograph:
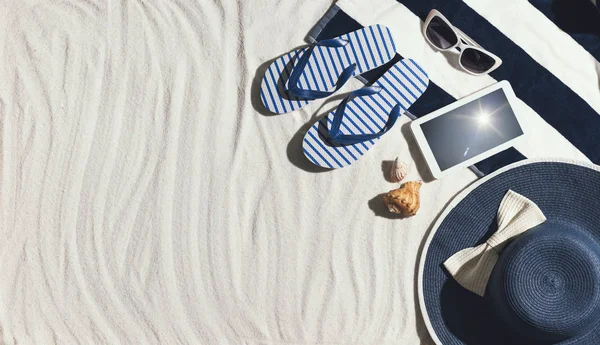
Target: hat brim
(565, 191)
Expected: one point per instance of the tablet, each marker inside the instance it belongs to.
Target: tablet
(468, 130)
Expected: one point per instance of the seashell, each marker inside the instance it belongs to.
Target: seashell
(398, 171)
(404, 200)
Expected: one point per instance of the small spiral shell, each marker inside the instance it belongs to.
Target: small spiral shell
(398, 171)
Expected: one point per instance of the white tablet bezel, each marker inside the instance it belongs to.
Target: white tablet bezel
(426, 150)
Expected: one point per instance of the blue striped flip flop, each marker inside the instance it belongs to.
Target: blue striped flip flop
(343, 136)
(322, 68)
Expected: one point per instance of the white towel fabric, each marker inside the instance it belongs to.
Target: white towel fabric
(144, 200)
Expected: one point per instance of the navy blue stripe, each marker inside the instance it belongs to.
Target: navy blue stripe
(281, 89)
(319, 69)
(357, 60)
(383, 77)
(304, 75)
(378, 104)
(410, 81)
(262, 96)
(318, 153)
(422, 71)
(345, 147)
(393, 45)
(286, 73)
(337, 72)
(362, 51)
(351, 132)
(383, 38)
(578, 18)
(337, 52)
(326, 68)
(271, 93)
(409, 68)
(376, 44)
(313, 75)
(310, 156)
(359, 129)
(324, 148)
(362, 99)
(324, 133)
(364, 32)
(288, 67)
(347, 56)
(383, 98)
(361, 117)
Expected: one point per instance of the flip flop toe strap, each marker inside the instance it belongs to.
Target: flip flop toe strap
(335, 135)
(293, 82)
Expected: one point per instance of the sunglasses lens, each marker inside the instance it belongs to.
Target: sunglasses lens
(476, 61)
(440, 34)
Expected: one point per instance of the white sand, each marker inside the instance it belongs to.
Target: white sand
(145, 200)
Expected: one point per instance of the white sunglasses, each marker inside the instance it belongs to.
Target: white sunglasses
(440, 33)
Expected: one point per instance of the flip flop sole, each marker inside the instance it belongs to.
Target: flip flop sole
(369, 48)
(402, 84)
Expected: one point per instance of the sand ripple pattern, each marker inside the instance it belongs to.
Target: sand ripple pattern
(144, 200)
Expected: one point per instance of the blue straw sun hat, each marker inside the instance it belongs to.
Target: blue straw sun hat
(515, 259)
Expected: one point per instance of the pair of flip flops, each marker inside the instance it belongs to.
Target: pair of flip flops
(318, 71)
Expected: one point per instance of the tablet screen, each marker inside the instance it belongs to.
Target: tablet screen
(471, 129)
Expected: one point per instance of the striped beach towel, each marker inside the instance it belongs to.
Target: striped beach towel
(580, 19)
(558, 89)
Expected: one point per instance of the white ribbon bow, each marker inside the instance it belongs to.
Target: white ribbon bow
(472, 267)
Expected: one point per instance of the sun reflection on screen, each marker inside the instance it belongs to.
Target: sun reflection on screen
(484, 121)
